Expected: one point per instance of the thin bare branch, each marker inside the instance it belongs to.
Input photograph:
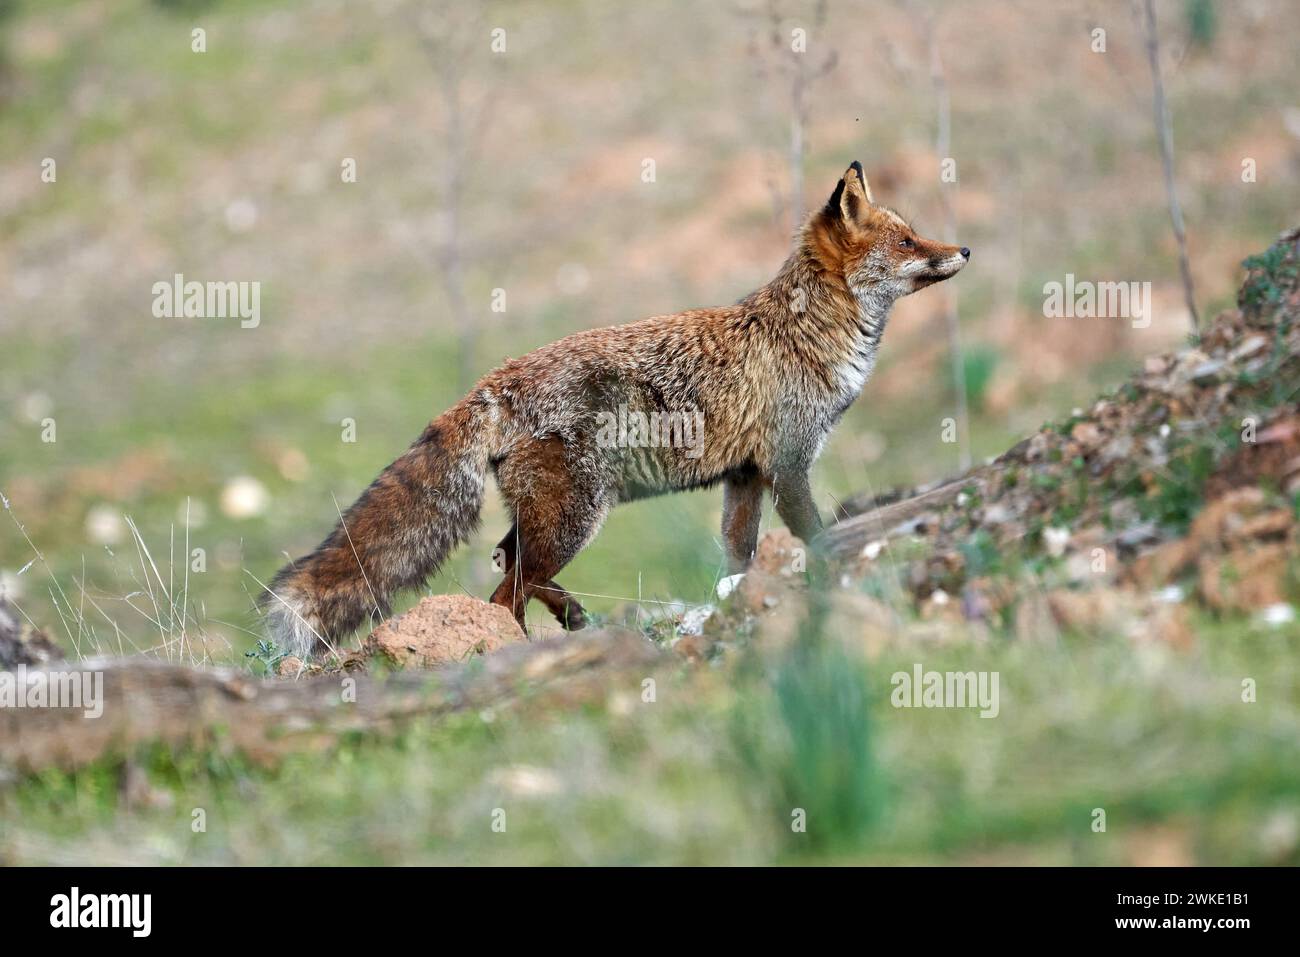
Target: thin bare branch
(1165, 132)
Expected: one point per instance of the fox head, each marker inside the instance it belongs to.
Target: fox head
(879, 255)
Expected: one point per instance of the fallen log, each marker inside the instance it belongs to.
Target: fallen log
(145, 700)
(846, 538)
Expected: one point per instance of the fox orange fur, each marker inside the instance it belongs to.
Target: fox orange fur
(769, 377)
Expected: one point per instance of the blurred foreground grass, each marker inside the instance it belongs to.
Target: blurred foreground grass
(713, 770)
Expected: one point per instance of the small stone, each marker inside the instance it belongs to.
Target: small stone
(1208, 372)
(1138, 534)
(692, 620)
(872, 550)
(1170, 594)
(727, 585)
(1056, 539)
(1277, 615)
(996, 514)
(1252, 345)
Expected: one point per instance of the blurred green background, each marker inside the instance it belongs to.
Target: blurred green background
(521, 170)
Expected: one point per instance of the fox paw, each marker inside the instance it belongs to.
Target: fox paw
(573, 617)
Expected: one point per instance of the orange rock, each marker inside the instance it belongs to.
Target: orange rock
(1272, 524)
(694, 648)
(1166, 624)
(779, 563)
(1245, 579)
(1093, 611)
(1087, 435)
(1119, 611)
(1164, 563)
(443, 628)
(1220, 518)
(780, 553)
(759, 592)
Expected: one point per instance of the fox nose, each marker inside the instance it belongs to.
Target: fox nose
(965, 253)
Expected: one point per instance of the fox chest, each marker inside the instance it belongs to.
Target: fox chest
(850, 374)
(815, 400)
(857, 359)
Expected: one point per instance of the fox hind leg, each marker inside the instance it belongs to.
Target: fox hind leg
(554, 489)
(541, 552)
(568, 611)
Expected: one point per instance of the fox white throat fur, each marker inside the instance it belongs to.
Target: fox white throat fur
(767, 379)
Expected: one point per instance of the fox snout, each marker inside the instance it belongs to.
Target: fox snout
(949, 261)
(938, 262)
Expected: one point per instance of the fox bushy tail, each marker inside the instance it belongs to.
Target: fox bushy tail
(393, 537)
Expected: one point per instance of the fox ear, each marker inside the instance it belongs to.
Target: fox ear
(852, 194)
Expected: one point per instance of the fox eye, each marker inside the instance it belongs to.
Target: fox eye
(907, 244)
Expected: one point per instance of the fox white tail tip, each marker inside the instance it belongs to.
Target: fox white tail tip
(291, 625)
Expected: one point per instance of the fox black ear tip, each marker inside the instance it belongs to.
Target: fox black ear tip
(857, 167)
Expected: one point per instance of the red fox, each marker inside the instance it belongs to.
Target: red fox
(768, 378)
